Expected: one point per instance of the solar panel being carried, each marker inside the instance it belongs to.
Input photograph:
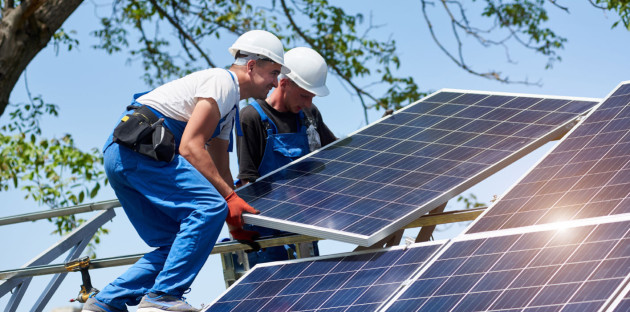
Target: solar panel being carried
(365, 187)
(572, 268)
(586, 175)
(360, 281)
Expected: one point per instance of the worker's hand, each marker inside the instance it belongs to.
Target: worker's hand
(237, 206)
(246, 237)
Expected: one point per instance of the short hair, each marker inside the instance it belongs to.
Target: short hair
(247, 57)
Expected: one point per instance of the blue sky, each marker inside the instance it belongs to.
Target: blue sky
(92, 88)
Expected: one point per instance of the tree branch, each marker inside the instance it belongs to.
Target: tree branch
(182, 32)
(493, 75)
(146, 41)
(24, 31)
(360, 92)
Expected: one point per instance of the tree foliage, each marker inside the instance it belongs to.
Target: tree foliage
(52, 172)
(172, 38)
(352, 55)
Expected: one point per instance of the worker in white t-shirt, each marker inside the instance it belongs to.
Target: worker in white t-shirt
(167, 161)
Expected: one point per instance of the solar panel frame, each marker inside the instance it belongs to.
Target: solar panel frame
(326, 277)
(586, 157)
(514, 272)
(621, 303)
(437, 197)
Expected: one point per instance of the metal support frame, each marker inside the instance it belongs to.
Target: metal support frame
(389, 241)
(21, 277)
(426, 232)
(304, 250)
(303, 245)
(427, 222)
(75, 242)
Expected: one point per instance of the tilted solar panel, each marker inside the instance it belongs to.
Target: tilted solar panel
(623, 302)
(572, 268)
(362, 188)
(360, 281)
(586, 175)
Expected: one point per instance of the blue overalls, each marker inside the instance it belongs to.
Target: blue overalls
(173, 207)
(281, 149)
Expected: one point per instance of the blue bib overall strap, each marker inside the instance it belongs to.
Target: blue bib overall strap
(236, 122)
(217, 130)
(281, 148)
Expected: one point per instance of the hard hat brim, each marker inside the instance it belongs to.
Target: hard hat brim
(248, 49)
(320, 91)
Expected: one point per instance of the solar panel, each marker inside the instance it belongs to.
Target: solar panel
(359, 281)
(362, 188)
(622, 304)
(586, 175)
(572, 268)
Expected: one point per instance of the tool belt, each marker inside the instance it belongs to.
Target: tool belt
(145, 133)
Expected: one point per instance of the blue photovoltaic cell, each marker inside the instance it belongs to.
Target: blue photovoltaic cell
(586, 175)
(624, 305)
(572, 269)
(372, 183)
(355, 282)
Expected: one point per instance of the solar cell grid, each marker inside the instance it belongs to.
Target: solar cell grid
(570, 269)
(586, 175)
(354, 282)
(623, 303)
(417, 158)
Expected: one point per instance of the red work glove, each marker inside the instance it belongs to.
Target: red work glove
(246, 237)
(236, 207)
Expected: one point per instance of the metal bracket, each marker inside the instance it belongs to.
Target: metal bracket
(76, 242)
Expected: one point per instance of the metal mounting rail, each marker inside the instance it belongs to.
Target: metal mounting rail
(75, 242)
(232, 246)
(104, 205)
(219, 248)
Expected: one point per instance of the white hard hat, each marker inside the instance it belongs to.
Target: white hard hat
(308, 70)
(261, 43)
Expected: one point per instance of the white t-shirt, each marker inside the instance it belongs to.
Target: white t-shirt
(177, 99)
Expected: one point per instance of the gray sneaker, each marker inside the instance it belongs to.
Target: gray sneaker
(159, 303)
(93, 305)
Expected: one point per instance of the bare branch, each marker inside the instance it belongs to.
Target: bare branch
(151, 56)
(493, 75)
(594, 4)
(182, 32)
(562, 7)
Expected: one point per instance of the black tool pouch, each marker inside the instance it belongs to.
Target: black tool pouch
(144, 133)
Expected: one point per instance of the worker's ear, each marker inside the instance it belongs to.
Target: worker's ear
(250, 65)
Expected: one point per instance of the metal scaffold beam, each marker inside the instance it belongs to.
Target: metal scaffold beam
(233, 246)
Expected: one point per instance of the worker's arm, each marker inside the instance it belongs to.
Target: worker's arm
(199, 129)
(218, 150)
